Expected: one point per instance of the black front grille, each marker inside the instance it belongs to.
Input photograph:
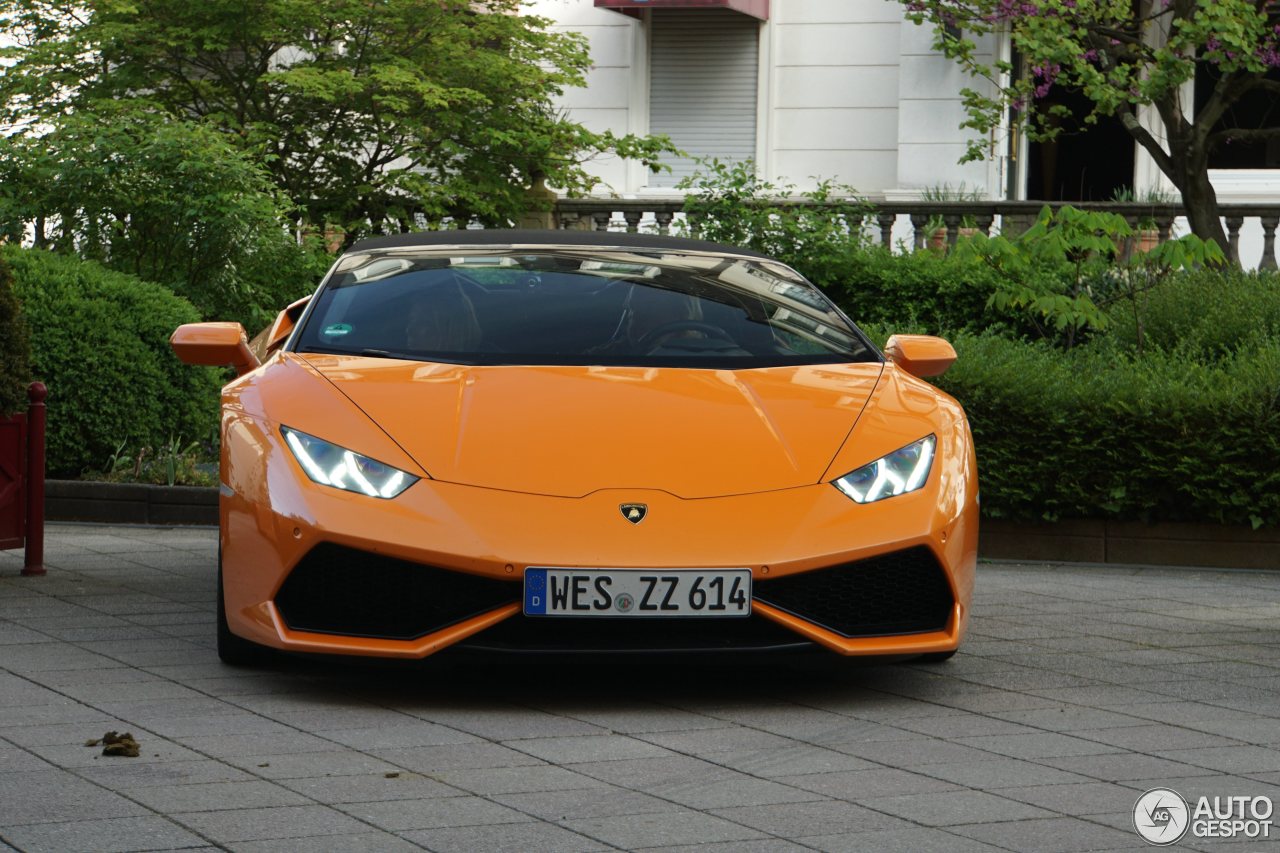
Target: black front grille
(648, 634)
(905, 592)
(339, 590)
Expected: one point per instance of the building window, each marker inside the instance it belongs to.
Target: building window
(1256, 110)
(703, 73)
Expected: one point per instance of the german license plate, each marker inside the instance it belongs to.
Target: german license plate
(637, 592)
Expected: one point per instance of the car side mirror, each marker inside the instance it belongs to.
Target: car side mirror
(214, 345)
(920, 355)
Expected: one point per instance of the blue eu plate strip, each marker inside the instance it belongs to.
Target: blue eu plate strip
(535, 592)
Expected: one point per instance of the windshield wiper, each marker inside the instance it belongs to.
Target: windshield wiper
(409, 356)
(372, 352)
(386, 353)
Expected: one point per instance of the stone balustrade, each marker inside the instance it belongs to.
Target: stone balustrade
(912, 218)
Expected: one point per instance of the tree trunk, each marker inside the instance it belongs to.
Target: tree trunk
(1186, 163)
(1201, 203)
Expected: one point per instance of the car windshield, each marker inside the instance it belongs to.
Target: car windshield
(574, 306)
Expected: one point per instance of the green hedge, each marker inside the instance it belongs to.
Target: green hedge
(1087, 434)
(100, 341)
(919, 289)
(15, 348)
(1205, 315)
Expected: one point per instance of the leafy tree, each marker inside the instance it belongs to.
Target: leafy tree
(168, 201)
(1123, 55)
(369, 116)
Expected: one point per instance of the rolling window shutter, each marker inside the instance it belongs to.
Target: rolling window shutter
(702, 85)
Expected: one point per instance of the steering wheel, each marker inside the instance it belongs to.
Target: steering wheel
(655, 336)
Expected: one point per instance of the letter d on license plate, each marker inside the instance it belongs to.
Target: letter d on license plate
(637, 592)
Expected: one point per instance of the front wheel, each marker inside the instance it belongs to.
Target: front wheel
(233, 650)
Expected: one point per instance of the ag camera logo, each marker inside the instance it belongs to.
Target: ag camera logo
(1161, 816)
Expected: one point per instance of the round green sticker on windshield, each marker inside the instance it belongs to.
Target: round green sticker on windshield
(337, 330)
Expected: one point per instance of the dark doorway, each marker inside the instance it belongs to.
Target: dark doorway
(1086, 162)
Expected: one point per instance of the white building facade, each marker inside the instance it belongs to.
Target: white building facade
(809, 89)
(839, 89)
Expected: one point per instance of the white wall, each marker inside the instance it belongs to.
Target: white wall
(849, 91)
(930, 111)
(833, 105)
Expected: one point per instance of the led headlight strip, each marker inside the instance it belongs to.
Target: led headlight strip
(897, 473)
(330, 465)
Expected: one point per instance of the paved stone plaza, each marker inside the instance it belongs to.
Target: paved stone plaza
(1079, 688)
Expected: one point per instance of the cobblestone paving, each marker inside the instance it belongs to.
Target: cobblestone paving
(1079, 688)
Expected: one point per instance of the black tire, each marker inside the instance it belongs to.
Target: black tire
(233, 650)
(938, 657)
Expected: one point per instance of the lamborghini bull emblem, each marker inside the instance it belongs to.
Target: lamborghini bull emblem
(634, 513)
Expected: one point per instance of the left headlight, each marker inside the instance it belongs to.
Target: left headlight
(331, 465)
(897, 473)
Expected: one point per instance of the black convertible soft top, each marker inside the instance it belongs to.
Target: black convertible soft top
(525, 237)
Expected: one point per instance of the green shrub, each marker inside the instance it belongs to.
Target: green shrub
(942, 294)
(1085, 434)
(1060, 271)
(15, 348)
(100, 342)
(173, 463)
(1206, 314)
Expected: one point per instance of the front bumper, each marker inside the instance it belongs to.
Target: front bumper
(312, 569)
(895, 594)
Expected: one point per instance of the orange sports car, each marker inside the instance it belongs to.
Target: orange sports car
(584, 441)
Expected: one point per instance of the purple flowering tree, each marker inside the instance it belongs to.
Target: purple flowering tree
(1122, 55)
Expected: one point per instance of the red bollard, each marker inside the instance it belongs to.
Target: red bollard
(33, 562)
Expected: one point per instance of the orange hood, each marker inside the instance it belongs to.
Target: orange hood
(569, 431)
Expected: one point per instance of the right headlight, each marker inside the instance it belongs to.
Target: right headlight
(897, 473)
(330, 465)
